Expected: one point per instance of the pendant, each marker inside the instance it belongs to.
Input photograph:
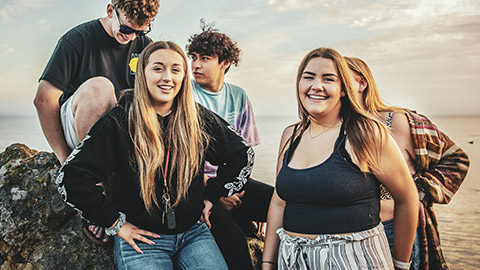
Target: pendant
(169, 213)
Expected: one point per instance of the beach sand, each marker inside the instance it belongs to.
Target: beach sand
(459, 221)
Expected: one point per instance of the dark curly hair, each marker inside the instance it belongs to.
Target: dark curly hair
(211, 42)
(140, 12)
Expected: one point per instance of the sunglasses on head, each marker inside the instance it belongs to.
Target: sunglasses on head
(128, 30)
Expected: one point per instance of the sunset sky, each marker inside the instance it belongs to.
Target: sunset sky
(424, 54)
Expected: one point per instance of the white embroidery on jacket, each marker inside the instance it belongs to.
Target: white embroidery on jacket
(242, 177)
(59, 181)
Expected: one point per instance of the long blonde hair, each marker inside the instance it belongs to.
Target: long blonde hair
(359, 127)
(370, 96)
(183, 133)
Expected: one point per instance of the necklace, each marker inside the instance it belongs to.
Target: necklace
(168, 215)
(325, 130)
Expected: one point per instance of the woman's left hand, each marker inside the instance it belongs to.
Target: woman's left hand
(206, 213)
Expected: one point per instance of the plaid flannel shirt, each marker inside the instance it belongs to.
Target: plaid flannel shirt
(441, 167)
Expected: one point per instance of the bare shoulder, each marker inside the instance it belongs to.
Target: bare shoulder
(400, 125)
(288, 131)
(286, 135)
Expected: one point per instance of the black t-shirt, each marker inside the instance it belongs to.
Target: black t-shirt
(88, 51)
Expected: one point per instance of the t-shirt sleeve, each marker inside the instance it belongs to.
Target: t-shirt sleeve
(62, 64)
(233, 156)
(247, 125)
(88, 164)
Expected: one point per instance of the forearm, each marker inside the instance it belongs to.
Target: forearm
(274, 221)
(405, 225)
(232, 175)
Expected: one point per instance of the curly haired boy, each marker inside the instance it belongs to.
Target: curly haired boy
(91, 64)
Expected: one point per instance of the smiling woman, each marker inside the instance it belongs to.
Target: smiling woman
(154, 143)
(326, 202)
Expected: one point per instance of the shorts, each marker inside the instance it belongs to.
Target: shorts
(68, 123)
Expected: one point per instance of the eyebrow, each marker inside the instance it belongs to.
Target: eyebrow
(161, 63)
(323, 75)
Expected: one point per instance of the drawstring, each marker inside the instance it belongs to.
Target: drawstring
(292, 252)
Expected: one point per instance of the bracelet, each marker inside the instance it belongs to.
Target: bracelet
(270, 262)
(401, 265)
(120, 222)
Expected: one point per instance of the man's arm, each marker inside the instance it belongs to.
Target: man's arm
(48, 110)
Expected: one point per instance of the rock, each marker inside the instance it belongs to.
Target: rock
(37, 229)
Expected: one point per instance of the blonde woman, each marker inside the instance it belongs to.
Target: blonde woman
(154, 143)
(438, 171)
(325, 209)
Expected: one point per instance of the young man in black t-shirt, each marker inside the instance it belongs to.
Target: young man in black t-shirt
(91, 64)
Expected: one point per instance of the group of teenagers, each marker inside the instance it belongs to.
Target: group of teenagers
(161, 163)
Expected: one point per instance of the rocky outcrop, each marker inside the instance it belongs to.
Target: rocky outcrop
(37, 229)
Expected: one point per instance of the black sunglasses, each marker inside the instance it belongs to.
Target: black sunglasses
(128, 30)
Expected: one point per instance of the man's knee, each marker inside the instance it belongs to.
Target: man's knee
(97, 93)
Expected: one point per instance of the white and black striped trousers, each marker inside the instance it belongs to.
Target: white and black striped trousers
(361, 250)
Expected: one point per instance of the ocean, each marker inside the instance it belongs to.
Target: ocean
(459, 221)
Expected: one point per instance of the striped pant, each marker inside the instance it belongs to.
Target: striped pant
(361, 250)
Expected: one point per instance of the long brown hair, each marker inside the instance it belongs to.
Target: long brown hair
(359, 127)
(183, 133)
(370, 96)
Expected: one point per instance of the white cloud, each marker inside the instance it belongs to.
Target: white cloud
(43, 24)
(285, 5)
(8, 51)
(267, 73)
(10, 8)
(419, 50)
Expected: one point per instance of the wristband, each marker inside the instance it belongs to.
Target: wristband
(270, 262)
(116, 228)
(401, 265)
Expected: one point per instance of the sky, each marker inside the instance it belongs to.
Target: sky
(424, 54)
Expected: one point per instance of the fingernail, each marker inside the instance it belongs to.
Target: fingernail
(141, 252)
(157, 236)
(152, 243)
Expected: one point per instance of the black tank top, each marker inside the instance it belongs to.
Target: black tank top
(332, 197)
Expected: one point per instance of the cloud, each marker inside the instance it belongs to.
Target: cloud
(267, 73)
(8, 51)
(419, 50)
(11, 8)
(44, 24)
(286, 5)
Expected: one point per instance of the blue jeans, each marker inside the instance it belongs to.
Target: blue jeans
(192, 249)
(415, 257)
